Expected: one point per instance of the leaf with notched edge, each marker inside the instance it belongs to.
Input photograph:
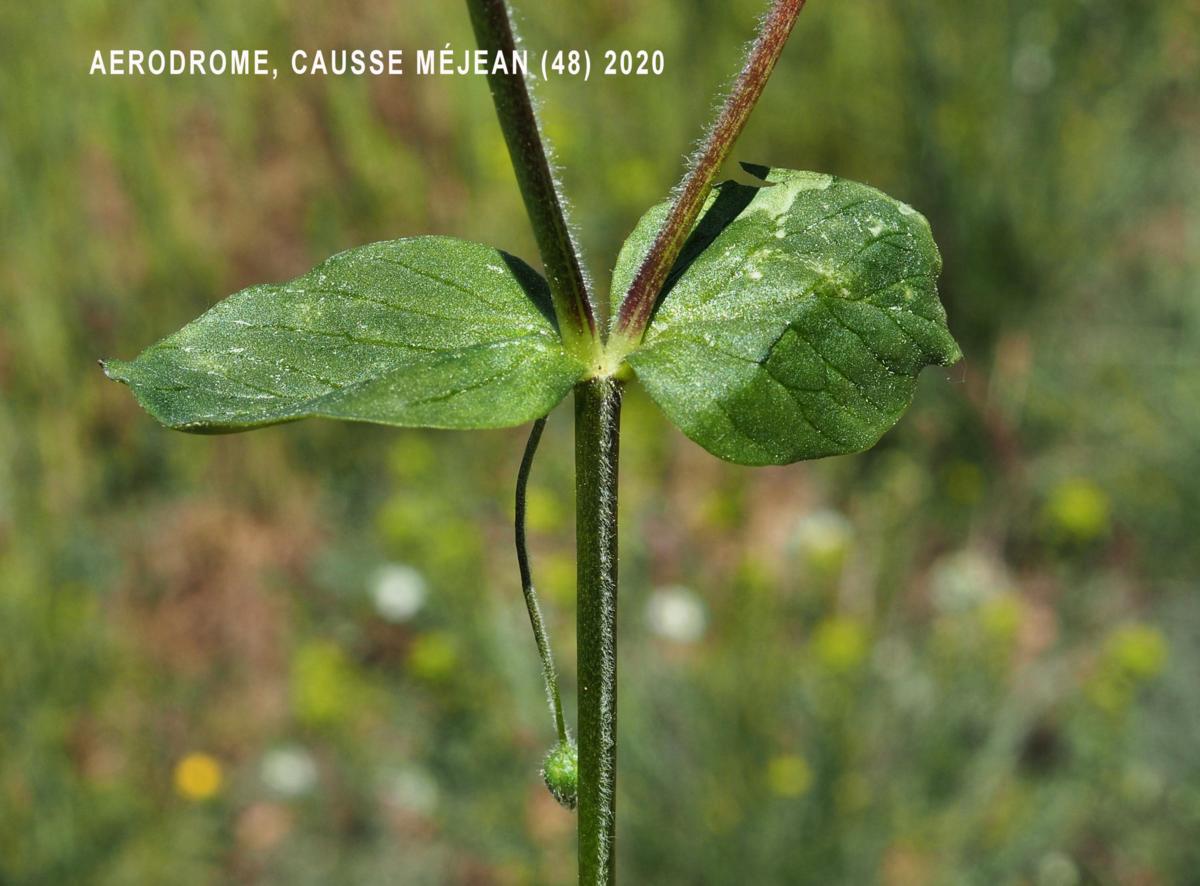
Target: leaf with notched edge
(425, 331)
(796, 320)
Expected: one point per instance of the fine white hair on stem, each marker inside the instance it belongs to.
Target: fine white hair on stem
(565, 206)
(703, 164)
(540, 184)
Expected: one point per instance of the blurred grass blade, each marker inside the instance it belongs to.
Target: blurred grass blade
(426, 331)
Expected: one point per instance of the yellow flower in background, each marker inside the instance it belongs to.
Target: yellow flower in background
(1133, 654)
(1079, 509)
(840, 643)
(433, 656)
(1138, 651)
(789, 775)
(198, 777)
(1001, 617)
(323, 683)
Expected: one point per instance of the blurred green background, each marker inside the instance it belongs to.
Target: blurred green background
(300, 655)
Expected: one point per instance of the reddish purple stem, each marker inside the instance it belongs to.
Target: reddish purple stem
(638, 303)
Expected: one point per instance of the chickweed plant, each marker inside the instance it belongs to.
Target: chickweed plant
(772, 323)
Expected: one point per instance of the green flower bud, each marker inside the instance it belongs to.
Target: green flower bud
(561, 772)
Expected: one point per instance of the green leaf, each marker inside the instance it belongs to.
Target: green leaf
(796, 320)
(427, 331)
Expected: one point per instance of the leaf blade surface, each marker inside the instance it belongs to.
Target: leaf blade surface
(796, 320)
(424, 331)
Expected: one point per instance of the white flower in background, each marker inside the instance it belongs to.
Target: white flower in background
(914, 692)
(398, 592)
(289, 771)
(676, 614)
(1057, 869)
(823, 539)
(965, 579)
(411, 788)
(1032, 68)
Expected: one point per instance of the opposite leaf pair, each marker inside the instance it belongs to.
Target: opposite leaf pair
(793, 326)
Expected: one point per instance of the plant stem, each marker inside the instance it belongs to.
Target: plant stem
(597, 430)
(638, 303)
(573, 306)
(549, 674)
(598, 400)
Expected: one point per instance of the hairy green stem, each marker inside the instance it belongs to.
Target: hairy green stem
(549, 674)
(598, 400)
(597, 430)
(638, 304)
(573, 306)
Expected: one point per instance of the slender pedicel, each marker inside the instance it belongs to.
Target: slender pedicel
(549, 674)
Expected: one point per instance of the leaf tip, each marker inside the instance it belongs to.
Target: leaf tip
(116, 370)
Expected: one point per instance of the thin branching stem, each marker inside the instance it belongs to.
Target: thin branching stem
(573, 304)
(638, 303)
(549, 674)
